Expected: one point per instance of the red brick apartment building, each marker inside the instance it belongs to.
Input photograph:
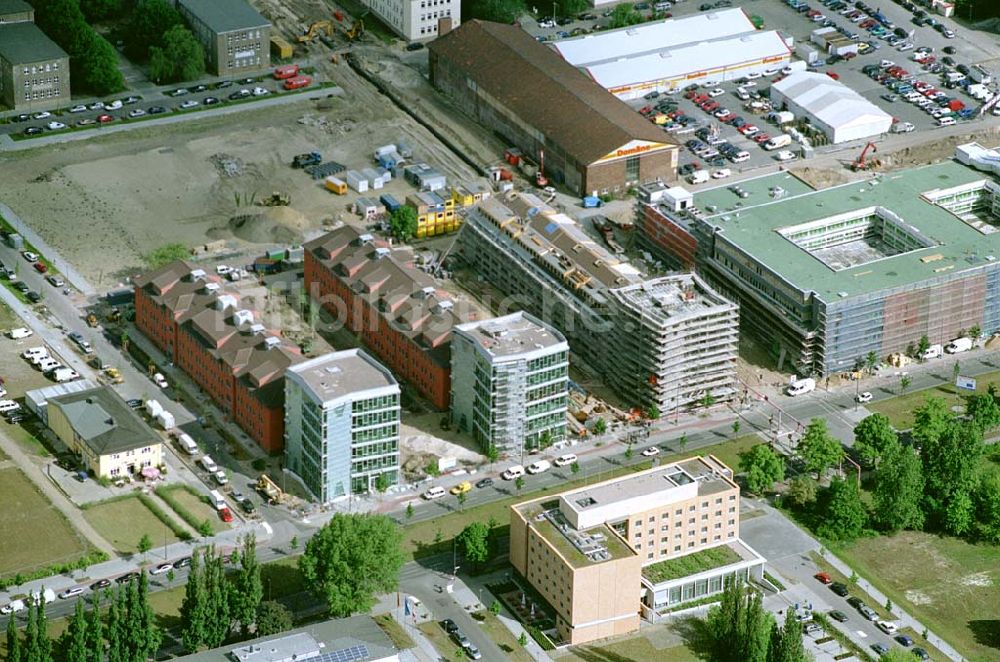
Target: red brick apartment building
(377, 293)
(186, 314)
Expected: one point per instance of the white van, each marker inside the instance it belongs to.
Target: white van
(47, 363)
(539, 467)
(218, 501)
(187, 443)
(65, 375)
(947, 121)
(34, 352)
(698, 177)
(208, 463)
(777, 142)
(740, 157)
(513, 472)
(8, 405)
(932, 352)
(959, 345)
(18, 333)
(801, 386)
(13, 607)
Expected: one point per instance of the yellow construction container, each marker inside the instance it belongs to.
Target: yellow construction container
(335, 185)
(280, 48)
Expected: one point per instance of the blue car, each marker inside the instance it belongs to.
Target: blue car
(904, 640)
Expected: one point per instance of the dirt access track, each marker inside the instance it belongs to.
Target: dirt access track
(104, 203)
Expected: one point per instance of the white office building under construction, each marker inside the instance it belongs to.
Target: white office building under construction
(663, 342)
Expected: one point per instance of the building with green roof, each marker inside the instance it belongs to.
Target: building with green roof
(235, 36)
(16, 11)
(824, 277)
(34, 71)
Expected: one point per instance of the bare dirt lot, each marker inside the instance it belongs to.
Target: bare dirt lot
(106, 202)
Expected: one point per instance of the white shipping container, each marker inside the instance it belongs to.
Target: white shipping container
(356, 181)
(153, 407)
(165, 419)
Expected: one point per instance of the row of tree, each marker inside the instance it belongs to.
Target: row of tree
(156, 33)
(129, 633)
(93, 62)
(740, 630)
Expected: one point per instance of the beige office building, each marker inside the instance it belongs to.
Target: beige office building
(605, 555)
(236, 38)
(34, 71)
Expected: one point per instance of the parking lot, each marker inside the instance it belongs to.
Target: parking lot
(134, 108)
(726, 145)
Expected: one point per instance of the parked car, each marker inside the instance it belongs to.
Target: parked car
(838, 616)
(485, 482)
(449, 626)
(565, 460)
(651, 451)
(840, 589)
(161, 569)
(823, 578)
(71, 592)
(461, 488)
(435, 492)
(100, 584)
(863, 397)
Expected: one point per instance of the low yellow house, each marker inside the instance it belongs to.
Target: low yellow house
(467, 195)
(111, 439)
(435, 215)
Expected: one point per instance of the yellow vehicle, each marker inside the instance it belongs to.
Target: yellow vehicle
(660, 118)
(114, 376)
(461, 488)
(314, 31)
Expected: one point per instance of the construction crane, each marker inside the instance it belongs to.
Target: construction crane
(866, 164)
(314, 31)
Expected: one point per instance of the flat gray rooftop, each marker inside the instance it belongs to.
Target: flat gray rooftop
(341, 374)
(24, 43)
(646, 483)
(225, 15)
(512, 335)
(670, 297)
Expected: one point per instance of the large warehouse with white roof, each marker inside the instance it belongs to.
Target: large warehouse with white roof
(840, 112)
(719, 45)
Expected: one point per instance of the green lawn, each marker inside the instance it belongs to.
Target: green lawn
(123, 523)
(899, 410)
(395, 631)
(443, 644)
(503, 638)
(35, 533)
(950, 585)
(188, 500)
(728, 452)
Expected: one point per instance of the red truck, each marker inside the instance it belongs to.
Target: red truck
(297, 82)
(286, 71)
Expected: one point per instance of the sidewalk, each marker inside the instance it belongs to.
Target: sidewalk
(468, 599)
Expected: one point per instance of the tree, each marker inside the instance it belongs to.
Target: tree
(403, 223)
(956, 370)
(194, 607)
(145, 544)
(116, 629)
(99, 10)
(15, 652)
(983, 409)
(30, 651)
(150, 22)
(351, 559)
(904, 383)
(922, 346)
(166, 254)
(763, 468)
(623, 16)
(872, 436)
(76, 645)
(786, 642)
(802, 491)
(708, 399)
(683, 441)
(499, 11)
(519, 483)
(95, 67)
(930, 420)
(146, 635)
(975, 331)
(492, 454)
(273, 618)
(409, 511)
(495, 607)
(987, 503)
(462, 496)
(474, 540)
(247, 590)
(600, 426)
(736, 428)
(294, 542)
(574, 468)
(218, 621)
(653, 412)
(871, 361)
(522, 640)
(819, 449)
(383, 482)
(951, 470)
(572, 7)
(899, 489)
(629, 452)
(739, 629)
(95, 631)
(39, 646)
(843, 512)
(180, 58)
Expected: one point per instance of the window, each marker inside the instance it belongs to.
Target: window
(632, 169)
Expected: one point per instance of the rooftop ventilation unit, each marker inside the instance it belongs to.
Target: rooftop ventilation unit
(443, 306)
(271, 342)
(197, 274)
(257, 329)
(212, 288)
(241, 317)
(382, 252)
(224, 302)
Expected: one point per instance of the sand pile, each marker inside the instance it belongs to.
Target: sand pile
(268, 225)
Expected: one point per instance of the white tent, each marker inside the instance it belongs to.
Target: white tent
(840, 112)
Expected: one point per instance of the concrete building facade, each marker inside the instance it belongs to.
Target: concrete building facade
(586, 139)
(509, 378)
(220, 346)
(661, 343)
(235, 36)
(110, 438)
(605, 554)
(16, 11)
(825, 277)
(395, 309)
(34, 71)
(418, 20)
(342, 424)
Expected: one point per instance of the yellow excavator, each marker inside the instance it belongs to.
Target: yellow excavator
(357, 30)
(314, 31)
